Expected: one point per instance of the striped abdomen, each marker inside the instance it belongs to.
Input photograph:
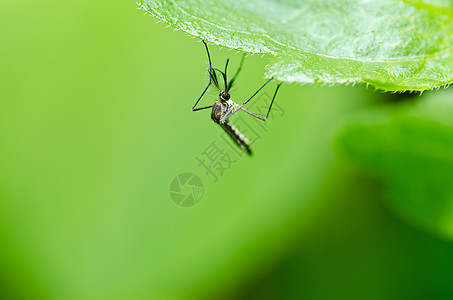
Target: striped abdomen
(237, 137)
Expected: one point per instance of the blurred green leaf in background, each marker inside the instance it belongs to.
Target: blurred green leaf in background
(96, 123)
(411, 149)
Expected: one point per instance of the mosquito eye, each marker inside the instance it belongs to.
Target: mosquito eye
(226, 96)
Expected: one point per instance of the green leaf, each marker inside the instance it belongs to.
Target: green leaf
(412, 152)
(390, 44)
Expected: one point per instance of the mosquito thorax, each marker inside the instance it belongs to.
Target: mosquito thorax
(218, 111)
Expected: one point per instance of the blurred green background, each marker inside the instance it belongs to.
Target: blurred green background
(348, 194)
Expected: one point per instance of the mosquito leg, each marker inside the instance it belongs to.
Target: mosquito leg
(201, 96)
(209, 56)
(256, 116)
(211, 70)
(240, 107)
(212, 78)
(200, 108)
(236, 74)
(270, 106)
(225, 76)
(269, 80)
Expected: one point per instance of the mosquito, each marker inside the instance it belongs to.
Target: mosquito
(224, 108)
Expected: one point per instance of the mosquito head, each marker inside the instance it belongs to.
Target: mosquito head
(224, 96)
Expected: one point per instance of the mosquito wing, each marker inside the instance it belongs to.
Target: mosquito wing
(232, 108)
